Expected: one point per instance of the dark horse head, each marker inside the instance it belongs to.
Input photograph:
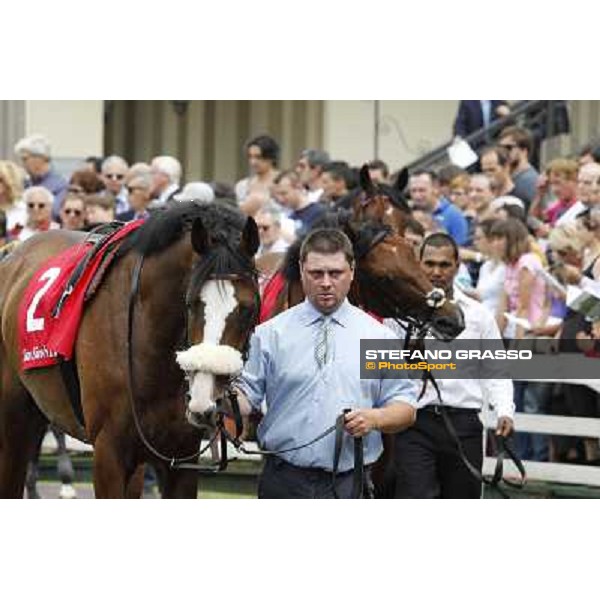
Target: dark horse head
(219, 300)
(389, 280)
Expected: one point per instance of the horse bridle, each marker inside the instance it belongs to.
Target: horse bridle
(184, 462)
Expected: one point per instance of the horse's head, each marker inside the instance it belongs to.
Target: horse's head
(390, 282)
(222, 304)
(383, 203)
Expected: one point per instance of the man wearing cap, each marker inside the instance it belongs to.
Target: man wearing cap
(34, 153)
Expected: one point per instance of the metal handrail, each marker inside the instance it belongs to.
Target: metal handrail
(518, 109)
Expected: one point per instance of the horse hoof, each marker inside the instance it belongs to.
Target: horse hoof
(67, 492)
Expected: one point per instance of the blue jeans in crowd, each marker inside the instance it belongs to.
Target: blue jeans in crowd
(532, 398)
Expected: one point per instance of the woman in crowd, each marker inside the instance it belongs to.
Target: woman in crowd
(523, 298)
(38, 201)
(11, 204)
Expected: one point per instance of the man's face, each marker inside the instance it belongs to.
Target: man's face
(258, 165)
(113, 176)
(515, 154)
(72, 214)
(39, 209)
(309, 176)
(588, 178)
(331, 187)
(480, 193)
(139, 194)
(422, 191)
(286, 194)
(326, 280)
(491, 167)
(440, 266)
(377, 176)
(268, 230)
(414, 240)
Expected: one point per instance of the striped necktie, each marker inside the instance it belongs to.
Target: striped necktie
(322, 349)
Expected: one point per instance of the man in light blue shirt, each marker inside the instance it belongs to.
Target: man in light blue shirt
(305, 364)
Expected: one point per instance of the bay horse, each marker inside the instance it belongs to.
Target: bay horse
(196, 291)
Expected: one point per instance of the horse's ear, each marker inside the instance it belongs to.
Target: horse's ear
(250, 240)
(200, 241)
(365, 180)
(401, 180)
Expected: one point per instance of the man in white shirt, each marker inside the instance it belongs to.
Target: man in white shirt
(428, 464)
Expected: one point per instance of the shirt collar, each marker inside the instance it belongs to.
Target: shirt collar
(310, 314)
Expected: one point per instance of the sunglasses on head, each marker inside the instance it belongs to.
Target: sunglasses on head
(115, 176)
(39, 205)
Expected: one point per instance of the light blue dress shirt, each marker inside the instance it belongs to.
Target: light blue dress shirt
(303, 400)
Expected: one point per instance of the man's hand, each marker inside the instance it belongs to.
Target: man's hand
(504, 427)
(362, 421)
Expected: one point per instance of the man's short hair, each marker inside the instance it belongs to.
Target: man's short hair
(439, 239)
(446, 174)
(269, 148)
(433, 176)
(290, 174)
(114, 160)
(379, 165)
(327, 241)
(35, 144)
(340, 170)
(315, 158)
(522, 137)
(273, 211)
(169, 166)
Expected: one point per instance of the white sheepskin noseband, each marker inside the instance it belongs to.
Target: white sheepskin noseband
(211, 358)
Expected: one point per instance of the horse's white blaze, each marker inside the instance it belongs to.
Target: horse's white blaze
(219, 302)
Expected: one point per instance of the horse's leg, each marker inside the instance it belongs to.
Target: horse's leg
(21, 426)
(110, 474)
(66, 474)
(178, 484)
(135, 485)
(31, 479)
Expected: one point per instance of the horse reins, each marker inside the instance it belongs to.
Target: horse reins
(182, 462)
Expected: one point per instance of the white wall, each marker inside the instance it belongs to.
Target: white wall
(408, 129)
(74, 127)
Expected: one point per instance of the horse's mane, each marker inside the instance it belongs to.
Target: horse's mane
(167, 225)
(361, 235)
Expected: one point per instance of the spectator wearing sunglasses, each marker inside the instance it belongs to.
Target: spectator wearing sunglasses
(139, 192)
(114, 170)
(518, 142)
(35, 155)
(39, 201)
(72, 212)
(268, 221)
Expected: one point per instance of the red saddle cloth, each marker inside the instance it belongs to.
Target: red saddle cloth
(270, 293)
(47, 331)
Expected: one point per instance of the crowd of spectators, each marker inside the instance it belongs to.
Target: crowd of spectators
(511, 222)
